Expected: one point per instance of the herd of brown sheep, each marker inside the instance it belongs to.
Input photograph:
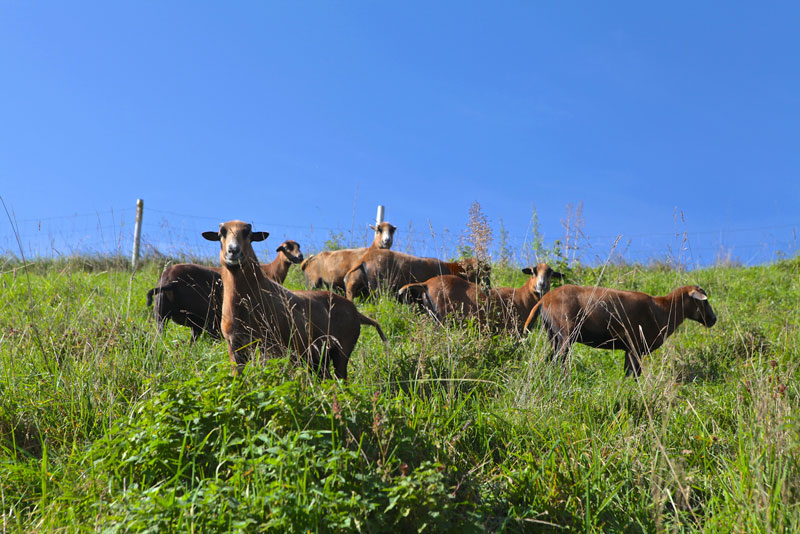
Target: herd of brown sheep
(244, 301)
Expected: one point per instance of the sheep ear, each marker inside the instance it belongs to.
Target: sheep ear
(259, 236)
(211, 236)
(528, 271)
(373, 227)
(558, 275)
(394, 228)
(280, 249)
(695, 294)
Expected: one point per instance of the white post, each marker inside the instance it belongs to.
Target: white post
(137, 233)
(379, 217)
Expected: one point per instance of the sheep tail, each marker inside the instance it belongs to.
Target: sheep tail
(160, 289)
(305, 262)
(532, 316)
(363, 319)
(411, 293)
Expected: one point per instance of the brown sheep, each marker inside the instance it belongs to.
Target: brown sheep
(328, 268)
(392, 270)
(613, 319)
(316, 326)
(191, 295)
(503, 307)
(288, 255)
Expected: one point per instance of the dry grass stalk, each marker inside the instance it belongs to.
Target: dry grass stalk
(480, 233)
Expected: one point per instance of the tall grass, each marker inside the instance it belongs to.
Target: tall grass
(104, 425)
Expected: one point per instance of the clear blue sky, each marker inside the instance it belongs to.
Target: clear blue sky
(289, 114)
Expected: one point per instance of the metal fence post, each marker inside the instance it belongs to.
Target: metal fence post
(379, 217)
(137, 233)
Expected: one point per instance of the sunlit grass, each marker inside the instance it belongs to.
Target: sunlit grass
(106, 425)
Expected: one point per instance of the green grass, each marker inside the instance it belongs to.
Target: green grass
(105, 426)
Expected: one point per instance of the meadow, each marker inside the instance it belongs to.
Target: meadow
(107, 426)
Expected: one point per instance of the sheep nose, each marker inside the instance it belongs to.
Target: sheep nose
(233, 248)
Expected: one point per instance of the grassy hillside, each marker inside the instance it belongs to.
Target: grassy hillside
(106, 426)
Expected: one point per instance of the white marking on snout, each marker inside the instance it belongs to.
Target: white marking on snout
(233, 252)
(386, 238)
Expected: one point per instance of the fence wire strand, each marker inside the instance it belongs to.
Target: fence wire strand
(175, 234)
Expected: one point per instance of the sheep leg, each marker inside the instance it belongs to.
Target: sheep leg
(238, 358)
(196, 331)
(161, 318)
(560, 346)
(322, 365)
(339, 364)
(633, 364)
(426, 305)
(560, 351)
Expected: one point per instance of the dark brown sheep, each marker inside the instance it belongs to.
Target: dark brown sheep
(328, 268)
(191, 295)
(613, 319)
(316, 326)
(391, 270)
(501, 308)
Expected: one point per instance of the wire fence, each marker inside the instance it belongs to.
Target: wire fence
(177, 235)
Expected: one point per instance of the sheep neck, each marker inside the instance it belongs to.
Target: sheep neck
(525, 296)
(672, 305)
(241, 287)
(280, 266)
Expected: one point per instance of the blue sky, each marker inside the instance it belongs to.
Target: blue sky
(303, 117)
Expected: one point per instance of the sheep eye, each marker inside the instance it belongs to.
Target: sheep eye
(223, 231)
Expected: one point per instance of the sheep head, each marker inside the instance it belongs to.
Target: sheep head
(540, 278)
(291, 251)
(697, 307)
(236, 238)
(384, 235)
